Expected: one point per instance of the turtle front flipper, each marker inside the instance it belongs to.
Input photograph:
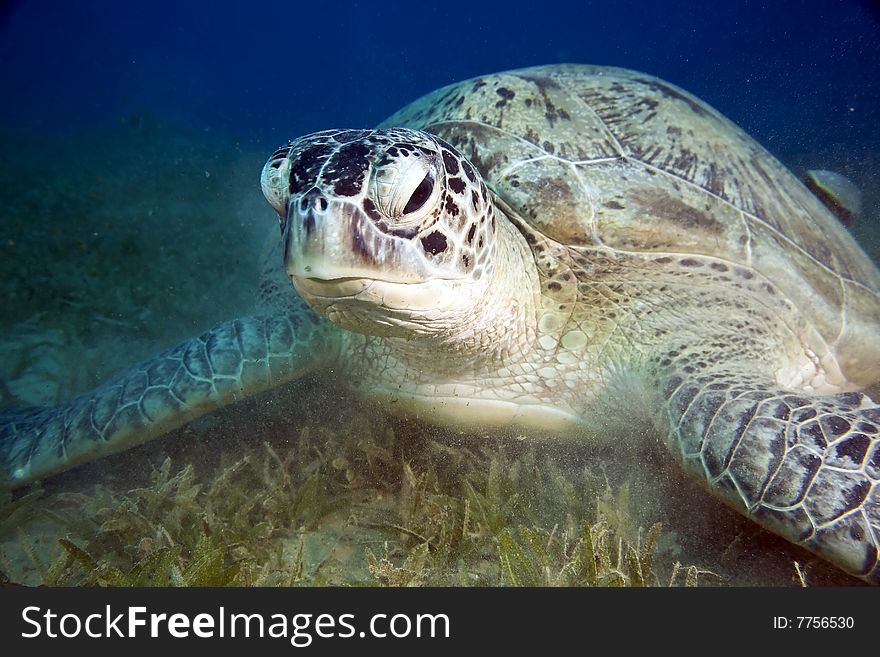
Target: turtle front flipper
(804, 466)
(229, 362)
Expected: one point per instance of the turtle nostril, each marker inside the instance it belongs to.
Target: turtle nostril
(313, 200)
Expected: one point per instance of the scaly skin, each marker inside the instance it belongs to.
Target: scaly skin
(805, 467)
(233, 360)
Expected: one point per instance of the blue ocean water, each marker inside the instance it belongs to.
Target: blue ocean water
(798, 75)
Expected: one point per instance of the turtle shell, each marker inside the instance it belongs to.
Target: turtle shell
(600, 157)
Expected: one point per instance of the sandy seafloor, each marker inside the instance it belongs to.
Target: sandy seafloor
(125, 240)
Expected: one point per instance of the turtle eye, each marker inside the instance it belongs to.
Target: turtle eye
(421, 194)
(404, 184)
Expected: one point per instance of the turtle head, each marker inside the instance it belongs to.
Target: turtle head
(383, 230)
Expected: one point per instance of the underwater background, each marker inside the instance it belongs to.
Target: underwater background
(133, 135)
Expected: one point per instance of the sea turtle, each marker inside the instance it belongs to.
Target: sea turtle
(557, 251)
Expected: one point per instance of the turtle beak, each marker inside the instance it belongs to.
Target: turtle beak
(304, 236)
(318, 238)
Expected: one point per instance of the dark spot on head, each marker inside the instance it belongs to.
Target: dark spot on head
(690, 262)
(474, 198)
(305, 167)
(434, 243)
(744, 273)
(663, 260)
(457, 185)
(451, 163)
(346, 168)
(554, 286)
(465, 259)
(469, 171)
(613, 205)
(505, 93)
(471, 232)
(717, 266)
(451, 206)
